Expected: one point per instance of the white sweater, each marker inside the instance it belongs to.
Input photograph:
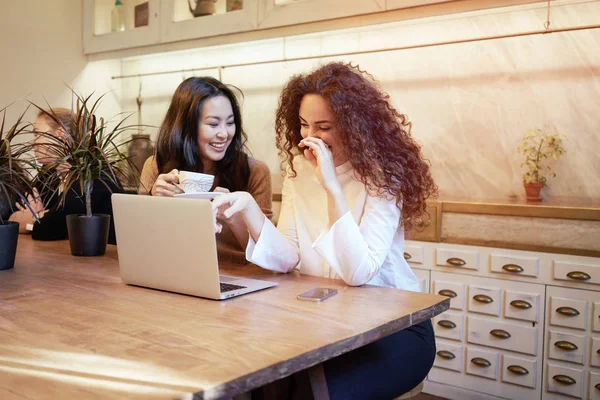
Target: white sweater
(363, 246)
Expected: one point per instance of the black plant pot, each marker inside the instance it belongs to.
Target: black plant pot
(9, 235)
(88, 235)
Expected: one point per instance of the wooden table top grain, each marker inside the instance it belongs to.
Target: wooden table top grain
(69, 328)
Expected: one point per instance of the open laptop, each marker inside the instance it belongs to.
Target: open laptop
(169, 244)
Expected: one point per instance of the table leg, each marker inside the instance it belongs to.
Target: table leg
(318, 383)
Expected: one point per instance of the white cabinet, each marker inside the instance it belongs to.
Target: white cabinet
(526, 325)
(97, 34)
(571, 357)
(178, 22)
(499, 344)
(274, 13)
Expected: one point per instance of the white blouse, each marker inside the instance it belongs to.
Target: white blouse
(363, 246)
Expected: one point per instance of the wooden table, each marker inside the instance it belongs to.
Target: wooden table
(69, 328)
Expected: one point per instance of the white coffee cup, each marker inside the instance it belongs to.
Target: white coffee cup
(195, 182)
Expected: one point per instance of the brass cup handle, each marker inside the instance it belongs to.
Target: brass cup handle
(513, 268)
(522, 304)
(446, 324)
(482, 298)
(481, 362)
(564, 379)
(407, 256)
(500, 333)
(447, 293)
(456, 262)
(568, 311)
(446, 354)
(517, 369)
(564, 345)
(578, 275)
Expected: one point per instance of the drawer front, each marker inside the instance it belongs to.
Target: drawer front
(460, 259)
(456, 292)
(581, 273)
(523, 306)
(595, 385)
(502, 335)
(596, 317)
(519, 371)
(567, 381)
(413, 254)
(449, 356)
(567, 347)
(569, 313)
(517, 266)
(449, 326)
(483, 363)
(485, 300)
(423, 277)
(595, 354)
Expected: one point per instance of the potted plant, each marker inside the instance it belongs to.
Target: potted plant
(14, 187)
(89, 153)
(539, 147)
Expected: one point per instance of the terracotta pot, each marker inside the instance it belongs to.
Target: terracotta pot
(532, 191)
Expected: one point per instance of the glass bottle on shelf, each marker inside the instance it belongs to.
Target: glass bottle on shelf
(117, 17)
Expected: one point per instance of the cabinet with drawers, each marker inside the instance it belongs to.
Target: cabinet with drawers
(491, 338)
(521, 324)
(572, 348)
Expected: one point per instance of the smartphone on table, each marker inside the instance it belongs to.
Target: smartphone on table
(317, 294)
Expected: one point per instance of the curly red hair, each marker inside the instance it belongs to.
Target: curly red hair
(374, 135)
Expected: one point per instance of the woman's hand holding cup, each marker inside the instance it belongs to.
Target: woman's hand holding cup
(167, 184)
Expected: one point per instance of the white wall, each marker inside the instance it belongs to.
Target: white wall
(469, 103)
(41, 51)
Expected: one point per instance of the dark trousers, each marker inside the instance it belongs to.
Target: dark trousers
(382, 370)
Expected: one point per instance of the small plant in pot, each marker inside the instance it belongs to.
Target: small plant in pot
(539, 147)
(88, 152)
(15, 185)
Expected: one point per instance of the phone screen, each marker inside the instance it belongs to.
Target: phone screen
(317, 294)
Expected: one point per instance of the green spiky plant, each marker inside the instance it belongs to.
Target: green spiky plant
(15, 182)
(91, 151)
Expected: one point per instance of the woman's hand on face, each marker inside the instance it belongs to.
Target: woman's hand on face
(320, 156)
(167, 185)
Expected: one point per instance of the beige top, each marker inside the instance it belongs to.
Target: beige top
(259, 186)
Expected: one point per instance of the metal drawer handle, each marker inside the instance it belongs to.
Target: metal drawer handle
(517, 369)
(522, 304)
(446, 354)
(580, 276)
(564, 379)
(568, 311)
(564, 345)
(500, 333)
(448, 293)
(446, 324)
(481, 362)
(482, 298)
(597, 386)
(407, 256)
(514, 268)
(456, 262)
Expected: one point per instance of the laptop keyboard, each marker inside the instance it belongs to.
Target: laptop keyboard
(228, 287)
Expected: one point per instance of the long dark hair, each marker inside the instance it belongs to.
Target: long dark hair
(177, 144)
(375, 136)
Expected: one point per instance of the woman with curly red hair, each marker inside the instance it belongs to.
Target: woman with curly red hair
(355, 178)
